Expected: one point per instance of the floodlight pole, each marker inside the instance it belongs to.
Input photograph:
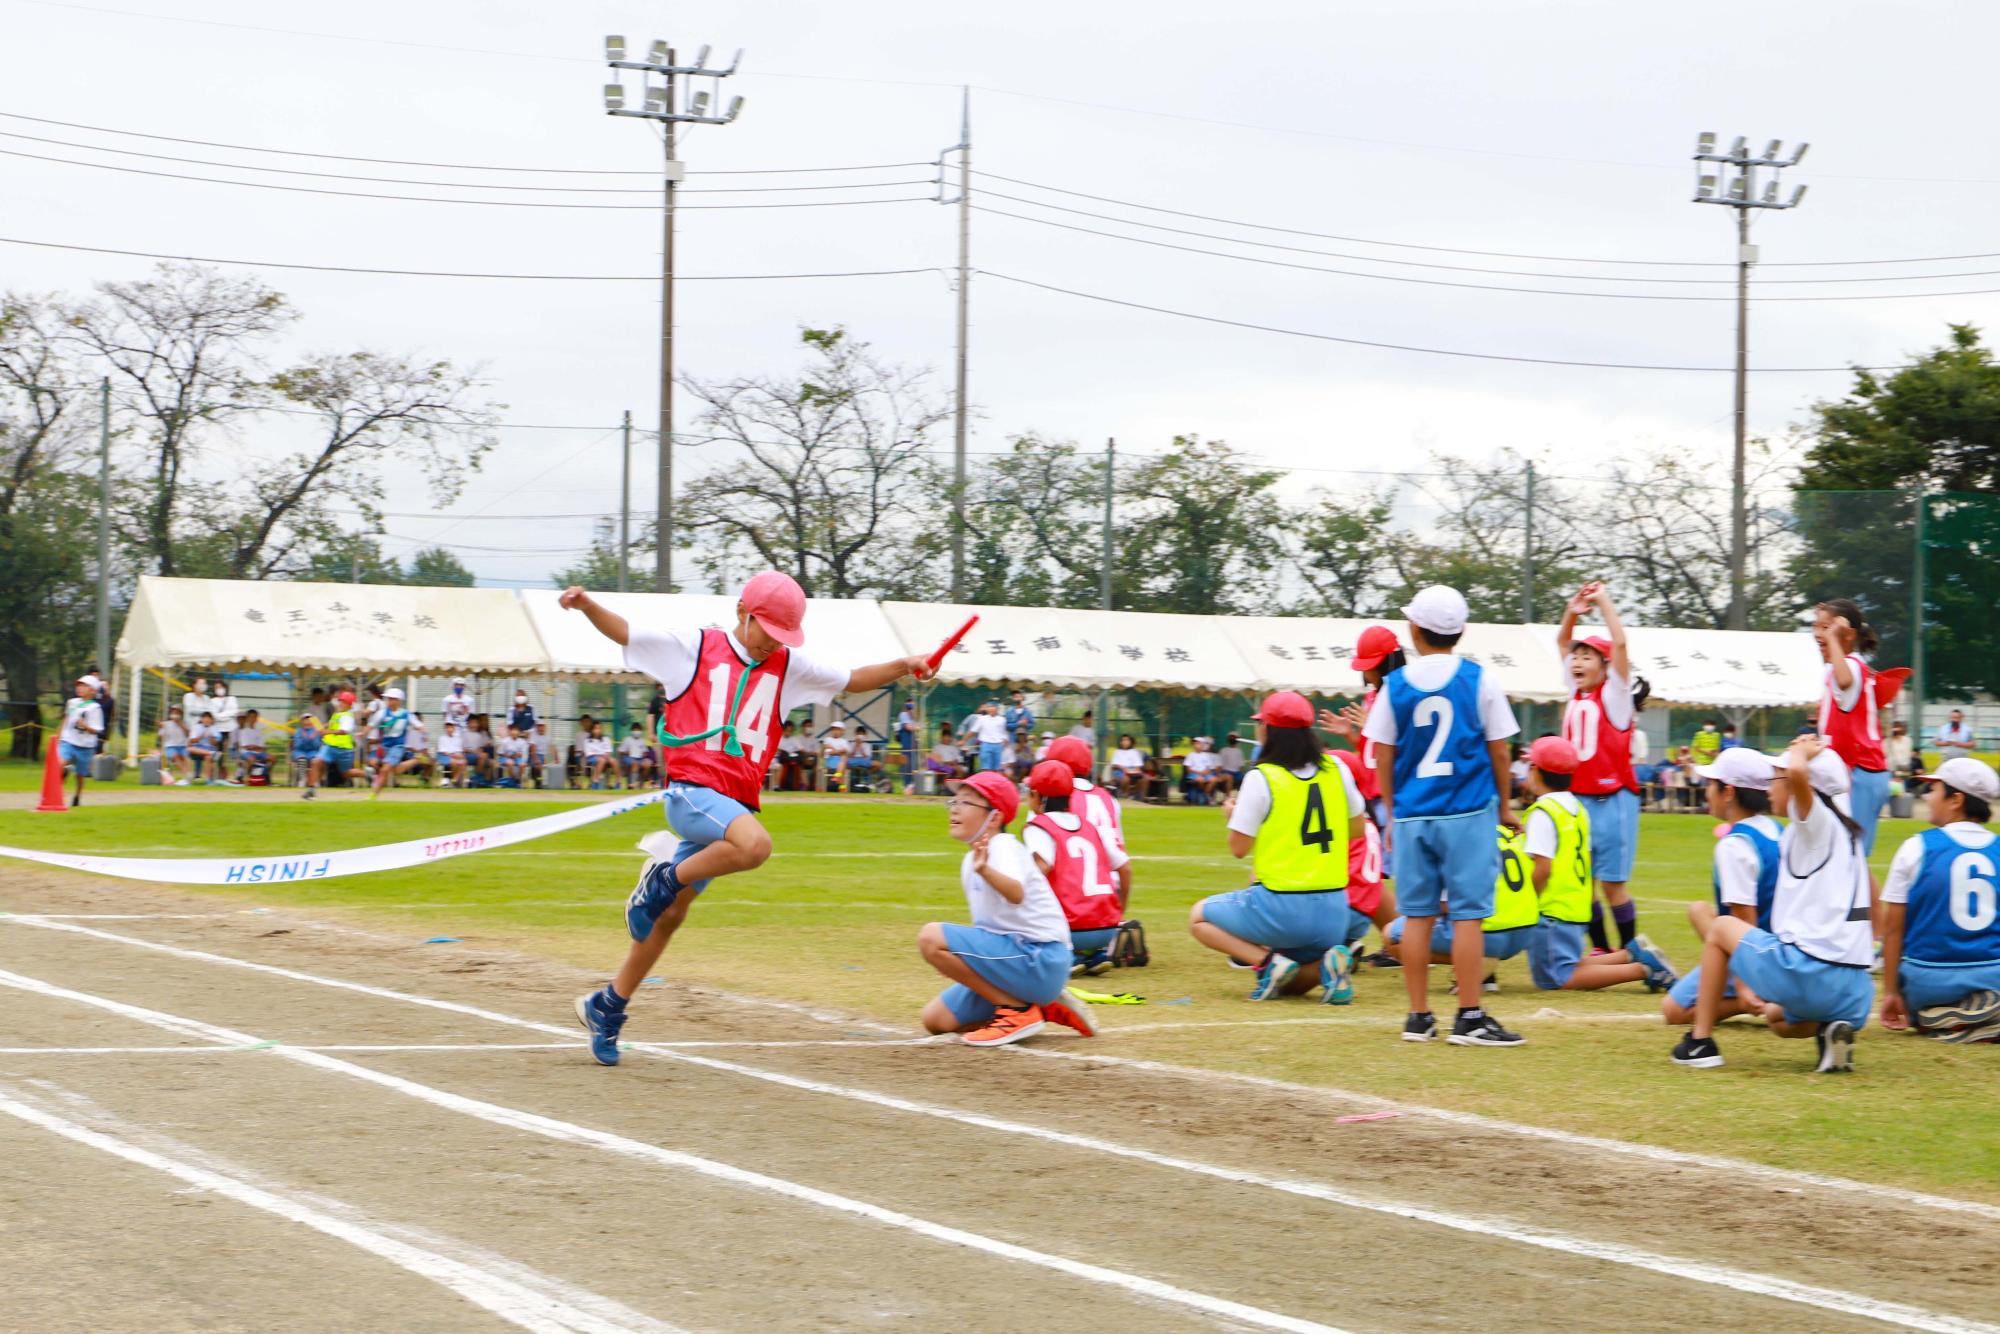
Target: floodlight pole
(663, 104)
(958, 413)
(625, 508)
(104, 530)
(1740, 193)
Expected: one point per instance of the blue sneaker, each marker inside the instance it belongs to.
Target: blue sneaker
(656, 891)
(1272, 976)
(1660, 975)
(1336, 972)
(603, 1023)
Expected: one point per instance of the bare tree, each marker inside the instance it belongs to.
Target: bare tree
(1033, 515)
(828, 476)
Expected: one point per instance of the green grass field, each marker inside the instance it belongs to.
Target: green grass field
(833, 917)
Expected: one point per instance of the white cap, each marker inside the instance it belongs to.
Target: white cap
(842, 727)
(458, 680)
(1740, 766)
(1827, 773)
(1438, 609)
(1973, 777)
(1048, 736)
(1204, 741)
(393, 692)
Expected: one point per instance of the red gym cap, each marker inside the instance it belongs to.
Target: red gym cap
(1000, 794)
(1070, 750)
(1376, 643)
(1553, 754)
(775, 601)
(1286, 708)
(1600, 643)
(345, 697)
(1052, 778)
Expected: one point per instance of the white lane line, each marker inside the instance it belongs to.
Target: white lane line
(1360, 1021)
(1671, 1266)
(1737, 1167)
(568, 1132)
(379, 1048)
(520, 1296)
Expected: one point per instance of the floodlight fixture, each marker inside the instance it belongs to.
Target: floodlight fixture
(1798, 193)
(698, 104)
(614, 48)
(659, 54)
(701, 58)
(1706, 188)
(1797, 155)
(1771, 149)
(1704, 142)
(656, 98)
(736, 108)
(1770, 199)
(614, 97)
(1741, 147)
(1739, 189)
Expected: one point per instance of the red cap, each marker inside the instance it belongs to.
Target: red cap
(1376, 643)
(1000, 794)
(1071, 751)
(1051, 778)
(775, 601)
(345, 697)
(1600, 643)
(1286, 708)
(1553, 754)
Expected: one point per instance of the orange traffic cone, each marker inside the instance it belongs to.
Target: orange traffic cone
(52, 781)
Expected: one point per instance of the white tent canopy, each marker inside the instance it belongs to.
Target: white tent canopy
(386, 629)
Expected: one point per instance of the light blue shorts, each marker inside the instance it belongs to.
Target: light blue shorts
(1452, 857)
(76, 757)
(1035, 970)
(1928, 984)
(1555, 948)
(990, 753)
(1809, 990)
(338, 758)
(176, 752)
(1865, 798)
(1357, 926)
(1614, 834)
(1684, 992)
(1093, 940)
(1498, 944)
(701, 816)
(1298, 926)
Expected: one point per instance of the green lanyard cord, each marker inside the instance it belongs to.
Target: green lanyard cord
(730, 746)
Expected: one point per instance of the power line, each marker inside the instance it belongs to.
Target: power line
(1406, 347)
(434, 199)
(444, 273)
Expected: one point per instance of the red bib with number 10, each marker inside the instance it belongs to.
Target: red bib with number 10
(705, 705)
(1081, 874)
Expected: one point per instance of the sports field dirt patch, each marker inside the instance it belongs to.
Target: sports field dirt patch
(848, 1176)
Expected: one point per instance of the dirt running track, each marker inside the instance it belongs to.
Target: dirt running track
(237, 1162)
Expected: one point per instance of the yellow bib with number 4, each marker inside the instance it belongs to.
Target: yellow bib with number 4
(1302, 844)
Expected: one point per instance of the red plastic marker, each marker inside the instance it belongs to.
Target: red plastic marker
(952, 643)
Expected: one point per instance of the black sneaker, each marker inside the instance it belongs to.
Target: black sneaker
(1420, 1028)
(1384, 959)
(1836, 1048)
(1489, 983)
(1482, 1030)
(1697, 1053)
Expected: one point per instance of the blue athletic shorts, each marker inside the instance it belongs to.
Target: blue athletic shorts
(1928, 984)
(1810, 990)
(340, 758)
(1090, 942)
(76, 757)
(1357, 926)
(1684, 992)
(1298, 926)
(701, 816)
(990, 753)
(1035, 970)
(176, 752)
(1498, 944)
(1870, 790)
(1555, 947)
(1614, 834)
(393, 755)
(1452, 857)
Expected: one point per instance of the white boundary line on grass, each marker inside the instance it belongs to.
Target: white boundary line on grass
(523, 1297)
(1739, 1167)
(1674, 1267)
(570, 1133)
(390, 1048)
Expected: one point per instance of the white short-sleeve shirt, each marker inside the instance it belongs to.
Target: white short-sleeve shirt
(1737, 865)
(671, 656)
(1540, 827)
(1041, 845)
(1910, 857)
(1253, 799)
(1431, 672)
(1038, 916)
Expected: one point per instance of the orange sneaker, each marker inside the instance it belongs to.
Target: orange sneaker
(1070, 1012)
(1007, 1026)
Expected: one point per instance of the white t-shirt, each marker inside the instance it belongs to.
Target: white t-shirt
(474, 738)
(1202, 761)
(1231, 759)
(1038, 916)
(1540, 827)
(457, 708)
(451, 743)
(173, 734)
(836, 745)
(593, 746)
(77, 715)
(416, 738)
(1642, 746)
(1253, 799)
(194, 704)
(990, 729)
(670, 657)
(1431, 672)
(635, 746)
(1085, 735)
(1736, 863)
(1041, 845)
(1128, 759)
(224, 708)
(1822, 886)
(513, 748)
(1909, 857)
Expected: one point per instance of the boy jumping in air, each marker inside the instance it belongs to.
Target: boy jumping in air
(728, 692)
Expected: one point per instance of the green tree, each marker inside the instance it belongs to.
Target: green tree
(1034, 519)
(597, 569)
(1199, 530)
(1343, 552)
(435, 567)
(1932, 427)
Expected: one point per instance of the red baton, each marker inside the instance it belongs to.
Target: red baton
(952, 643)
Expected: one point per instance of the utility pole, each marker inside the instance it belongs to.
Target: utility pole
(104, 530)
(625, 509)
(1104, 575)
(1739, 191)
(1528, 553)
(1917, 610)
(964, 201)
(662, 102)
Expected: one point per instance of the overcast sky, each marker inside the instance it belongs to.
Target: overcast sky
(1545, 129)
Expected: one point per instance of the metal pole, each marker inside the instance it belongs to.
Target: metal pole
(1528, 552)
(663, 580)
(964, 299)
(625, 509)
(1104, 574)
(104, 529)
(1917, 629)
(1739, 533)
